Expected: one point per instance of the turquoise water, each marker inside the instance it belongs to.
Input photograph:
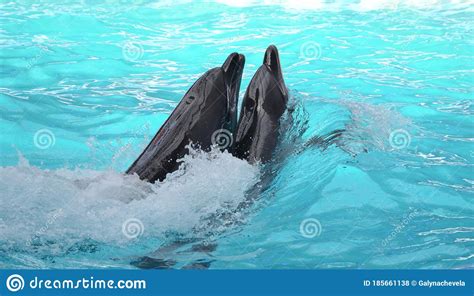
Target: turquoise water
(84, 86)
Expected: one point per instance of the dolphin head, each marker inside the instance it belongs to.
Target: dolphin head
(264, 103)
(208, 106)
(211, 103)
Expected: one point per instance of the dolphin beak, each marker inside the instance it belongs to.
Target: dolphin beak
(233, 68)
(272, 60)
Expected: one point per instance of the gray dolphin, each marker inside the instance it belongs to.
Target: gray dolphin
(264, 103)
(208, 106)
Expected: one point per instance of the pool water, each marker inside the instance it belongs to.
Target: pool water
(84, 85)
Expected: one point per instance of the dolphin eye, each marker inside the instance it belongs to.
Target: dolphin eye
(190, 99)
(249, 104)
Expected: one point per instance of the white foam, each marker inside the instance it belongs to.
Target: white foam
(373, 127)
(66, 206)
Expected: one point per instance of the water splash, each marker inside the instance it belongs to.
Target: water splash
(373, 127)
(82, 206)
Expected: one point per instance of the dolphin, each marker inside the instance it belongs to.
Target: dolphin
(264, 103)
(255, 137)
(210, 105)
